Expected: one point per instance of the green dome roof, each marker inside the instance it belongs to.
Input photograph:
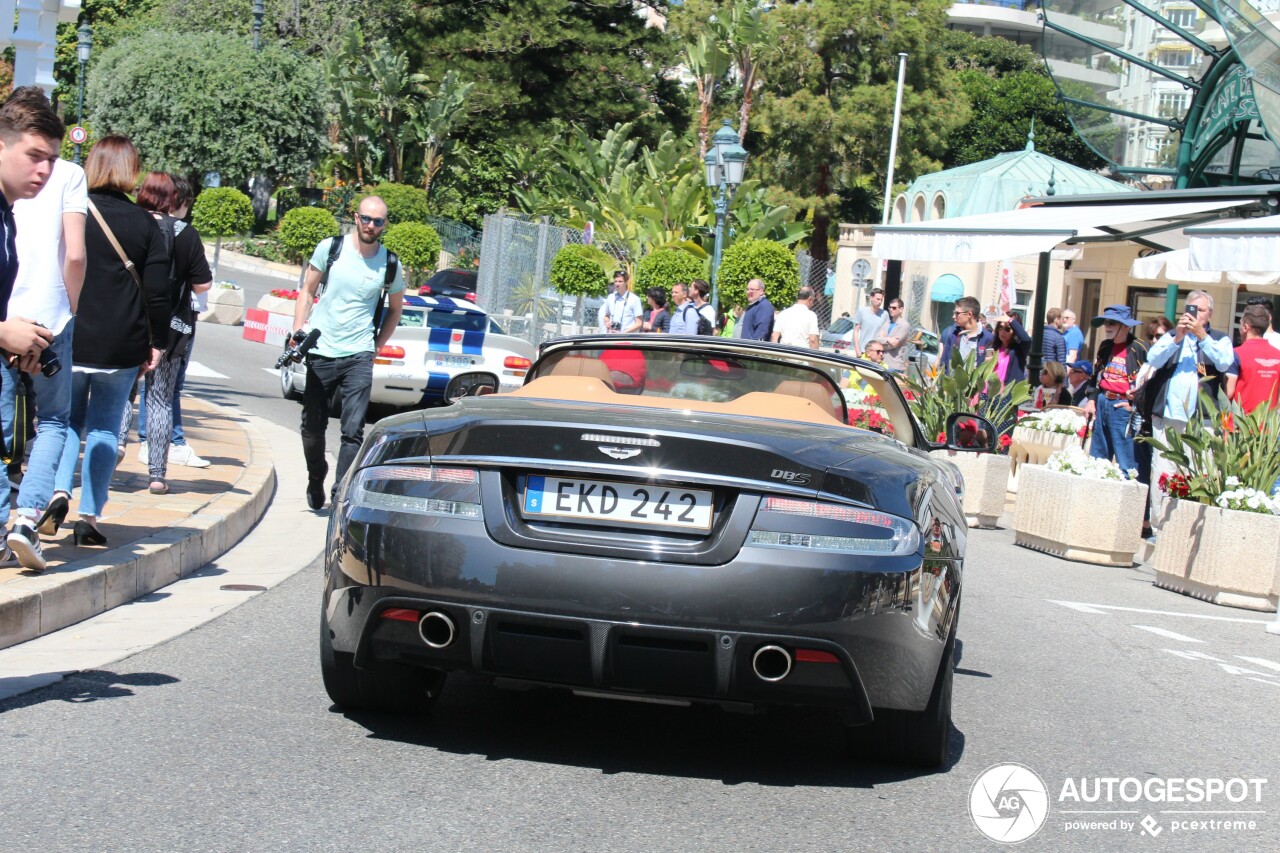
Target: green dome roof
(1005, 180)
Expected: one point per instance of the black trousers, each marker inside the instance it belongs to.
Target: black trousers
(347, 379)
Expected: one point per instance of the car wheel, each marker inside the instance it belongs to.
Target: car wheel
(919, 738)
(287, 389)
(399, 690)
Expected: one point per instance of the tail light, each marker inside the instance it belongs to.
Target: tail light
(515, 362)
(834, 527)
(391, 352)
(471, 297)
(418, 490)
(424, 290)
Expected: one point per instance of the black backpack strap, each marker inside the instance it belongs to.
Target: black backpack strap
(393, 263)
(335, 249)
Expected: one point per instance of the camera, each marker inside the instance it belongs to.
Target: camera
(49, 362)
(300, 343)
(617, 327)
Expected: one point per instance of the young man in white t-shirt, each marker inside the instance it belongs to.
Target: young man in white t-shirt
(797, 326)
(51, 265)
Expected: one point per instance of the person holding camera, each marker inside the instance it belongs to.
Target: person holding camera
(621, 311)
(359, 276)
(1188, 358)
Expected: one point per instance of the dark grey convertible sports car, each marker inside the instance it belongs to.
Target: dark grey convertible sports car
(665, 518)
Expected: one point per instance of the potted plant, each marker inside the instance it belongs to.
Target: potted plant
(1221, 540)
(971, 388)
(279, 301)
(1041, 434)
(1080, 508)
(225, 304)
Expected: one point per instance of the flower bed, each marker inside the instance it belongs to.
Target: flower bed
(1080, 509)
(225, 305)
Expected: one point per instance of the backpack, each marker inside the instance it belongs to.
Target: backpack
(182, 324)
(393, 263)
(704, 325)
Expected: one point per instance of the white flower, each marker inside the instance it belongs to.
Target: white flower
(1233, 481)
(1073, 460)
(1063, 421)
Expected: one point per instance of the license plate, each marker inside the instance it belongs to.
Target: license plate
(452, 361)
(618, 503)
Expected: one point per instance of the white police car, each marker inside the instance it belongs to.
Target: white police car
(441, 350)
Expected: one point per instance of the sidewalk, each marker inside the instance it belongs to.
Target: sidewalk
(247, 263)
(153, 539)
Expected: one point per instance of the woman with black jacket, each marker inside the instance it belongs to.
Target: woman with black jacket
(121, 327)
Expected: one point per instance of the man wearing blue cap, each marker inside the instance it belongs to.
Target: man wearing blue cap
(1078, 375)
(1120, 357)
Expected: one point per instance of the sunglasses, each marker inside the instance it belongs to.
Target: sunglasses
(875, 352)
(375, 221)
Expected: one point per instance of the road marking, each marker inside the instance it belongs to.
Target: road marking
(273, 371)
(1171, 635)
(1102, 608)
(1194, 655)
(1261, 662)
(195, 368)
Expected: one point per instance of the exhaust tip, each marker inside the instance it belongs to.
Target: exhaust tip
(771, 663)
(437, 630)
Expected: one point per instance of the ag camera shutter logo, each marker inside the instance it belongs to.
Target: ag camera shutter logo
(1008, 803)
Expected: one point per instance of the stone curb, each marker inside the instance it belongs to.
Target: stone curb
(245, 263)
(122, 574)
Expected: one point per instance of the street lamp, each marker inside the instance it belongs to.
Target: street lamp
(83, 46)
(725, 163)
(258, 12)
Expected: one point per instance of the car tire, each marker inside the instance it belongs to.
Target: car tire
(287, 388)
(396, 689)
(917, 738)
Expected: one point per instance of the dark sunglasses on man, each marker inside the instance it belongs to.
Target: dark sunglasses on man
(375, 221)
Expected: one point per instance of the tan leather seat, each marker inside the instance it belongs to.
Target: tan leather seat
(575, 365)
(813, 392)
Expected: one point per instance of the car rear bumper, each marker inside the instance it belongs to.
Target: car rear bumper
(686, 631)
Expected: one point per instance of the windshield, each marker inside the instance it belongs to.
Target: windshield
(464, 321)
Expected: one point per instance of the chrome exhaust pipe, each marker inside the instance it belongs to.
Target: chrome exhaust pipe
(437, 630)
(771, 663)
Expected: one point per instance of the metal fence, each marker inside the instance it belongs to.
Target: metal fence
(514, 282)
(815, 273)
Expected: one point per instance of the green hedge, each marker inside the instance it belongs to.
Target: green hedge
(750, 258)
(418, 247)
(404, 203)
(581, 271)
(222, 212)
(302, 228)
(667, 267)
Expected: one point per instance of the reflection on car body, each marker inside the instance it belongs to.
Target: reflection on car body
(618, 526)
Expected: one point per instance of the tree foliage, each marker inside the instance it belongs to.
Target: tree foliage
(303, 228)
(222, 212)
(404, 203)
(666, 267)
(308, 26)
(417, 245)
(579, 270)
(208, 103)
(766, 260)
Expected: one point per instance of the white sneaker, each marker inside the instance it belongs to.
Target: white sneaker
(182, 454)
(142, 452)
(24, 542)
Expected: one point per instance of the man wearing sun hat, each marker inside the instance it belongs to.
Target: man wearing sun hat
(1120, 357)
(1078, 375)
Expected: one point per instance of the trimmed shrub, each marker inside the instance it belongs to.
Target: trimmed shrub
(581, 271)
(404, 203)
(771, 262)
(222, 212)
(302, 228)
(666, 267)
(418, 247)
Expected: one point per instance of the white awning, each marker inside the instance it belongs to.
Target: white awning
(1032, 230)
(1237, 245)
(1176, 267)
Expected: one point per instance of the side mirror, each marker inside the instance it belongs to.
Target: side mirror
(470, 385)
(971, 433)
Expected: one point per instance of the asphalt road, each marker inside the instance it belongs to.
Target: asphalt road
(223, 739)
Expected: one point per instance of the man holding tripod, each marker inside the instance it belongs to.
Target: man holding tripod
(358, 274)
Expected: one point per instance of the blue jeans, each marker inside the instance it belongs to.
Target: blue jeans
(1110, 434)
(176, 437)
(97, 402)
(53, 408)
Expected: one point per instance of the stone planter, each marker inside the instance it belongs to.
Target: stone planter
(276, 305)
(985, 477)
(1034, 447)
(226, 307)
(1220, 555)
(1079, 518)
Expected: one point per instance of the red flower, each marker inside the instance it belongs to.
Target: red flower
(1163, 481)
(942, 438)
(1228, 422)
(1083, 431)
(1005, 441)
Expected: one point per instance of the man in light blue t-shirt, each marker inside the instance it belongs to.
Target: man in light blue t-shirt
(341, 362)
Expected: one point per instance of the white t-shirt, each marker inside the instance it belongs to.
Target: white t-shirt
(794, 325)
(39, 292)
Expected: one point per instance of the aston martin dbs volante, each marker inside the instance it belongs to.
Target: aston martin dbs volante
(676, 519)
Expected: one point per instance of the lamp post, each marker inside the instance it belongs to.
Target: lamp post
(258, 12)
(83, 46)
(725, 163)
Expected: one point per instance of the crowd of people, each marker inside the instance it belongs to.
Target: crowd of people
(96, 291)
